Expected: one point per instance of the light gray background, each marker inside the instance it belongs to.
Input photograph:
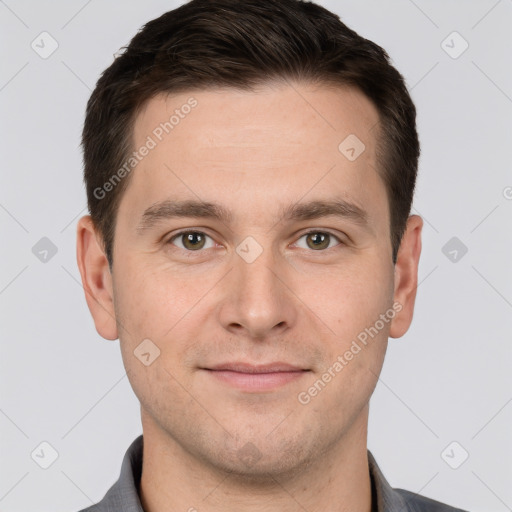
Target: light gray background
(448, 379)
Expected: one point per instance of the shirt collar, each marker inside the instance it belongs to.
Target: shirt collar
(124, 494)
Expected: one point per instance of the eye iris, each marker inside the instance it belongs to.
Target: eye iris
(320, 240)
(193, 238)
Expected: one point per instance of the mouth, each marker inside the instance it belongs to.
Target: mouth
(255, 378)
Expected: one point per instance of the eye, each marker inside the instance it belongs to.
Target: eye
(191, 240)
(318, 240)
(194, 241)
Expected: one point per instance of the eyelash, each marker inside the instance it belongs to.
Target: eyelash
(314, 231)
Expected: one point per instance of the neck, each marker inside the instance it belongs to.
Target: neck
(174, 479)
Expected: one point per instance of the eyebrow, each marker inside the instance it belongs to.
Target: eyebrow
(169, 209)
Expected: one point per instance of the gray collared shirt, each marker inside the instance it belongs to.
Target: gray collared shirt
(123, 495)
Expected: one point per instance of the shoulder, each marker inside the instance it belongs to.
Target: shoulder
(418, 503)
(389, 499)
(123, 494)
(93, 508)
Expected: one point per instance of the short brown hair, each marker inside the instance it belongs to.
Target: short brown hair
(242, 44)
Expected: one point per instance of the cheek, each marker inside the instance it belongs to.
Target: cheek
(151, 310)
(149, 300)
(349, 298)
(158, 304)
(351, 305)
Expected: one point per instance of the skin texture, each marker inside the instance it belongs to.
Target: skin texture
(207, 444)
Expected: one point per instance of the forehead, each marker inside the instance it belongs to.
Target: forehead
(241, 148)
(229, 117)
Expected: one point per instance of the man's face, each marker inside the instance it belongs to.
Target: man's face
(255, 288)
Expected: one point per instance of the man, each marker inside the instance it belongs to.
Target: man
(250, 168)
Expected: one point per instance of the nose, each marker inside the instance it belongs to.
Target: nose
(257, 302)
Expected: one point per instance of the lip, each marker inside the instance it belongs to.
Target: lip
(256, 377)
(242, 367)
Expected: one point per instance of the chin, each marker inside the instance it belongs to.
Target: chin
(261, 461)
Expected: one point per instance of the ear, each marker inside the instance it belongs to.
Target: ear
(96, 278)
(406, 276)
